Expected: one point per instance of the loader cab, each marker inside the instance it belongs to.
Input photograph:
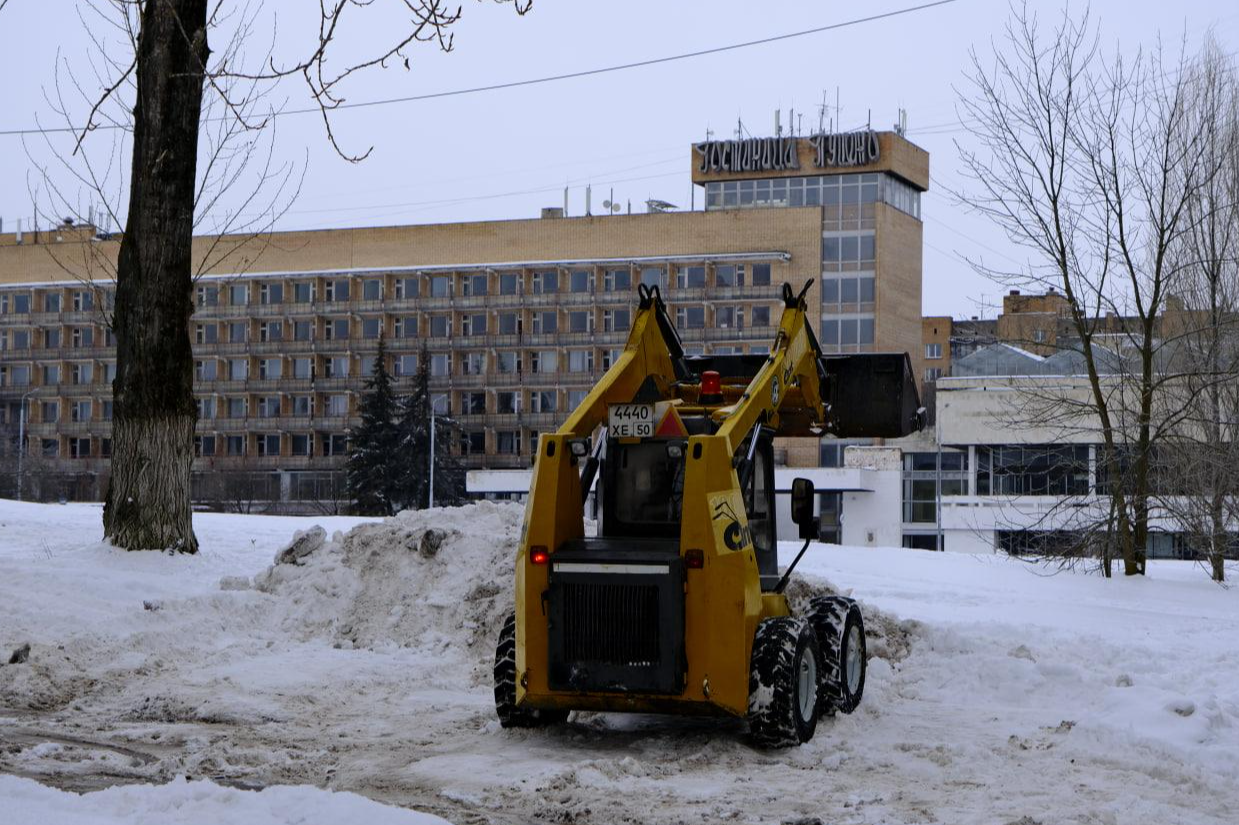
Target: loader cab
(756, 470)
(641, 489)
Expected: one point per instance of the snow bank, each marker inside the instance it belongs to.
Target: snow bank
(440, 581)
(193, 803)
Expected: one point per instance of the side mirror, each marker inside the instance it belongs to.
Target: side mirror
(802, 509)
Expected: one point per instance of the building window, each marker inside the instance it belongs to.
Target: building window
(609, 357)
(440, 326)
(371, 290)
(509, 323)
(271, 293)
(726, 275)
(729, 318)
(51, 374)
(405, 365)
(581, 360)
(545, 282)
(617, 280)
(270, 368)
(370, 327)
(206, 333)
(760, 316)
(337, 405)
(473, 363)
(238, 294)
(300, 444)
(581, 321)
(474, 403)
(269, 444)
(303, 330)
(544, 361)
(50, 412)
(440, 364)
(406, 289)
(1033, 470)
(471, 325)
(206, 407)
(440, 286)
(51, 302)
(14, 304)
(79, 448)
(575, 397)
(335, 444)
(507, 362)
(545, 323)
(932, 374)
(473, 285)
(204, 446)
(440, 403)
(238, 369)
(615, 320)
(51, 339)
(507, 442)
(690, 277)
(933, 351)
(542, 402)
(236, 445)
(50, 447)
(848, 253)
(107, 409)
(1039, 336)
(406, 327)
(206, 370)
(83, 337)
(303, 405)
(509, 283)
(690, 317)
(303, 368)
(336, 291)
(579, 280)
(208, 296)
(761, 274)
(238, 407)
(238, 332)
(269, 407)
(83, 301)
(507, 403)
(303, 292)
(81, 411)
(335, 329)
(270, 331)
(652, 276)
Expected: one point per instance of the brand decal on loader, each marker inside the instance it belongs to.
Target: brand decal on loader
(728, 529)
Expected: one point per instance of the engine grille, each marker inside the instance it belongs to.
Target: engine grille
(616, 623)
(611, 624)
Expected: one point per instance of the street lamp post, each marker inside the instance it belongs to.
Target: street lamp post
(432, 460)
(21, 441)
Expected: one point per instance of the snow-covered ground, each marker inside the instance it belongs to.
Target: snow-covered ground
(1002, 694)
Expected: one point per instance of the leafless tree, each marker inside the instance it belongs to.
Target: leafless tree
(179, 102)
(1091, 163)
(1202, 463)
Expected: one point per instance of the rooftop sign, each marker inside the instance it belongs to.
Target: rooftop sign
(781, 153)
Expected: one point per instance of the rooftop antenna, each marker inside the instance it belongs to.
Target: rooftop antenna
(821, 113)
(778, 125)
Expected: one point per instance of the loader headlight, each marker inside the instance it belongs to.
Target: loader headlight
(675, 450)
(579, 447)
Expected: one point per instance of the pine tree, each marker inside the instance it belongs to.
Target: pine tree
(414, 437)
(374, 462)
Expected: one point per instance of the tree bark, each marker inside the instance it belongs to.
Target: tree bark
(148, 501)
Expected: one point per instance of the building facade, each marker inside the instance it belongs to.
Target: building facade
(517, 318)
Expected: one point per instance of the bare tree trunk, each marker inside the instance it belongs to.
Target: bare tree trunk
(148, 501)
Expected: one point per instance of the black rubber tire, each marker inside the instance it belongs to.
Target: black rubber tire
(779, 649)
(511, 716)
(833, 618)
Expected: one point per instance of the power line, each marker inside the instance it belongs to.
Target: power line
(553, 78)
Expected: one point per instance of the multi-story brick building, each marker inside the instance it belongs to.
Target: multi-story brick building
(518, 318)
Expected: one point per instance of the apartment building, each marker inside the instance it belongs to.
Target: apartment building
(517, 318)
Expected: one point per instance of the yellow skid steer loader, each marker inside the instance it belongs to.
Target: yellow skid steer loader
(677, 605)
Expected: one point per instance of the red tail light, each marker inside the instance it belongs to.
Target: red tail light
(694, 559)
(539, 555)
(711, 383)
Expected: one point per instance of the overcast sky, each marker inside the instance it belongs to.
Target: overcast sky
(505, 154)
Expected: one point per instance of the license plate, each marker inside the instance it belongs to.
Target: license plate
(630, 420)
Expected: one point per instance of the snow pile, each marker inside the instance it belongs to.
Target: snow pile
(193, 803)
(441, 582)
